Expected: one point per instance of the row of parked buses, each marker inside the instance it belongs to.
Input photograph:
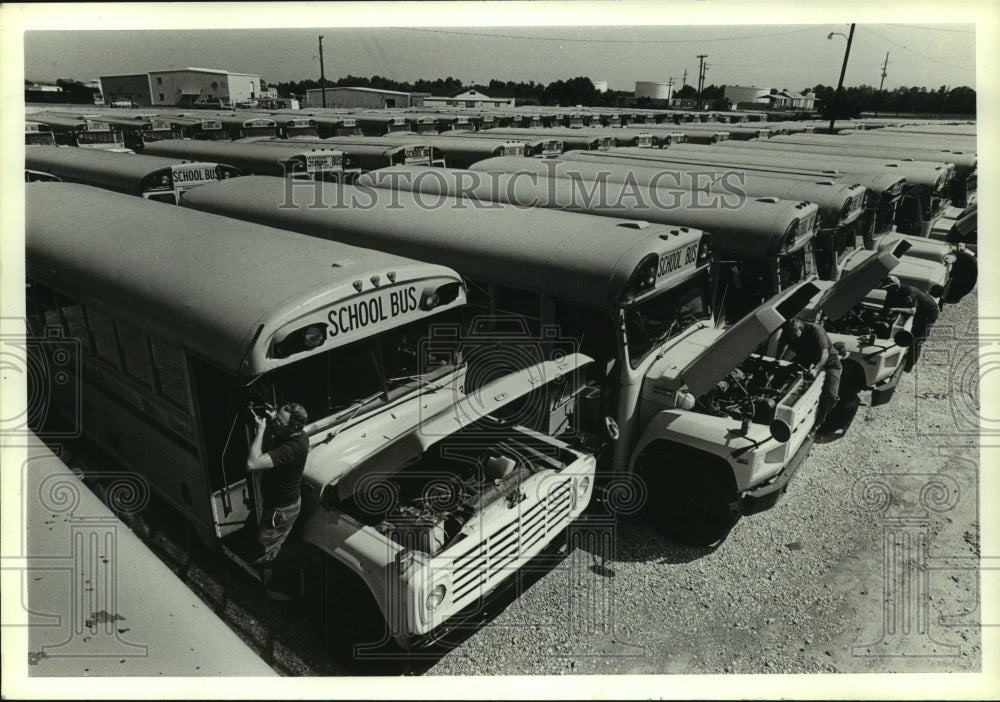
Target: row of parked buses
(481, 350)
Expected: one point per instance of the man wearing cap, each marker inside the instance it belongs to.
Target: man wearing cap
(281, 465)
(910, 300)
(808, 344)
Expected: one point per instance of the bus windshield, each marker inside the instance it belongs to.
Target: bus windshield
(44, 138)
(792, 268)
(98, 137)
(666, 314)
(355, 379)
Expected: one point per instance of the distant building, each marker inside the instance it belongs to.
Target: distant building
(601, 86)
(126, 90)
(653, 90)
(181, 87)
(192, 86)
(368, 98)
(42, 87)
(752, 97)
(470, 97)
(737, 94)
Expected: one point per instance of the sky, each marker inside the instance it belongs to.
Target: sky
(924, 53)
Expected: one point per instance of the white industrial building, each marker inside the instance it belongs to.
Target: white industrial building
(653, 90)
(182, 87)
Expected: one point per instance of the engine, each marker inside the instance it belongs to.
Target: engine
(866, 321)
(752, 391)
(425, 505)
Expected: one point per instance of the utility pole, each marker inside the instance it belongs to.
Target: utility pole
(701, 76)
(684, 80)
(843, 70)
(878, 99)
(670, 89)
(322, 71)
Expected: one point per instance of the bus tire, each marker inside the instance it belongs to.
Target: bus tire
(691, 496)
(354, 631)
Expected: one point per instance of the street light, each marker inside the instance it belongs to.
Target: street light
(843, 70)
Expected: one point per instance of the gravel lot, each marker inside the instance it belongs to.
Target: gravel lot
(829, 580)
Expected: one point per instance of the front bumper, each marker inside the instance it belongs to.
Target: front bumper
(765, 496)
(883, 392)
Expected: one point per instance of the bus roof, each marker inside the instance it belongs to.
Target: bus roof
(759, 227)
(221, 287)
(571, 256)
(112, 170)
(249, 157)
(61, 123)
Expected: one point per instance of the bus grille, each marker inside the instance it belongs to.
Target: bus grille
(474, 571)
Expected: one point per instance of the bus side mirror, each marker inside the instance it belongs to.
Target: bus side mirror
(612, 428)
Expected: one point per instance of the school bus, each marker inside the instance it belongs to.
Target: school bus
(282, 158)
(898, 192)
(534, 146)
(636, 297)
(196, 127)
(764, 248)
(240, 125)
(85, 133)
(374, 124)
(461, 152)
(925, 192)
(963, 186)
(415, 495)
(840, 204)
(38, 133)
(290, 127)
(149, 177)
(372, 152)
(571, 138)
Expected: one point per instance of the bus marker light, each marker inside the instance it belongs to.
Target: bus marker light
(358, 285)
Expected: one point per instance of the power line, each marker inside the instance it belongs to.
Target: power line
(917, 53)
(604, 41)
(932, 29)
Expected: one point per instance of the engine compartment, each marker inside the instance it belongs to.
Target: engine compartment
(425, 505)
(868, 319)
(752, 391)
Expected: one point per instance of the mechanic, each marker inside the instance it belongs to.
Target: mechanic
(907, 299)
(808, 344)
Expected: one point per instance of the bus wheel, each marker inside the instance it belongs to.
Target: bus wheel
(690, 497)
(354, 631)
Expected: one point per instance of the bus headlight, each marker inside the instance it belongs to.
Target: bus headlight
(705, 248)
(582, 485)
(435, 597)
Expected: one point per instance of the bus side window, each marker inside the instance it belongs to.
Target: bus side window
(168, 369)
(526, 306)
(75, 319)
(40, 309)
(105, 338)
(135, 353)
(593, 329)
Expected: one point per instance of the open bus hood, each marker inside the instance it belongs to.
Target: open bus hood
(346, 458)
(734, 345)
(855, 283)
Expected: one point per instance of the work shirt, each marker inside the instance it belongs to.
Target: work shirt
(281, 484)
(909, 296)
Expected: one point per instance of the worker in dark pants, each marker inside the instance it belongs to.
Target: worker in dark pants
(807, 344)
(907, 299)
